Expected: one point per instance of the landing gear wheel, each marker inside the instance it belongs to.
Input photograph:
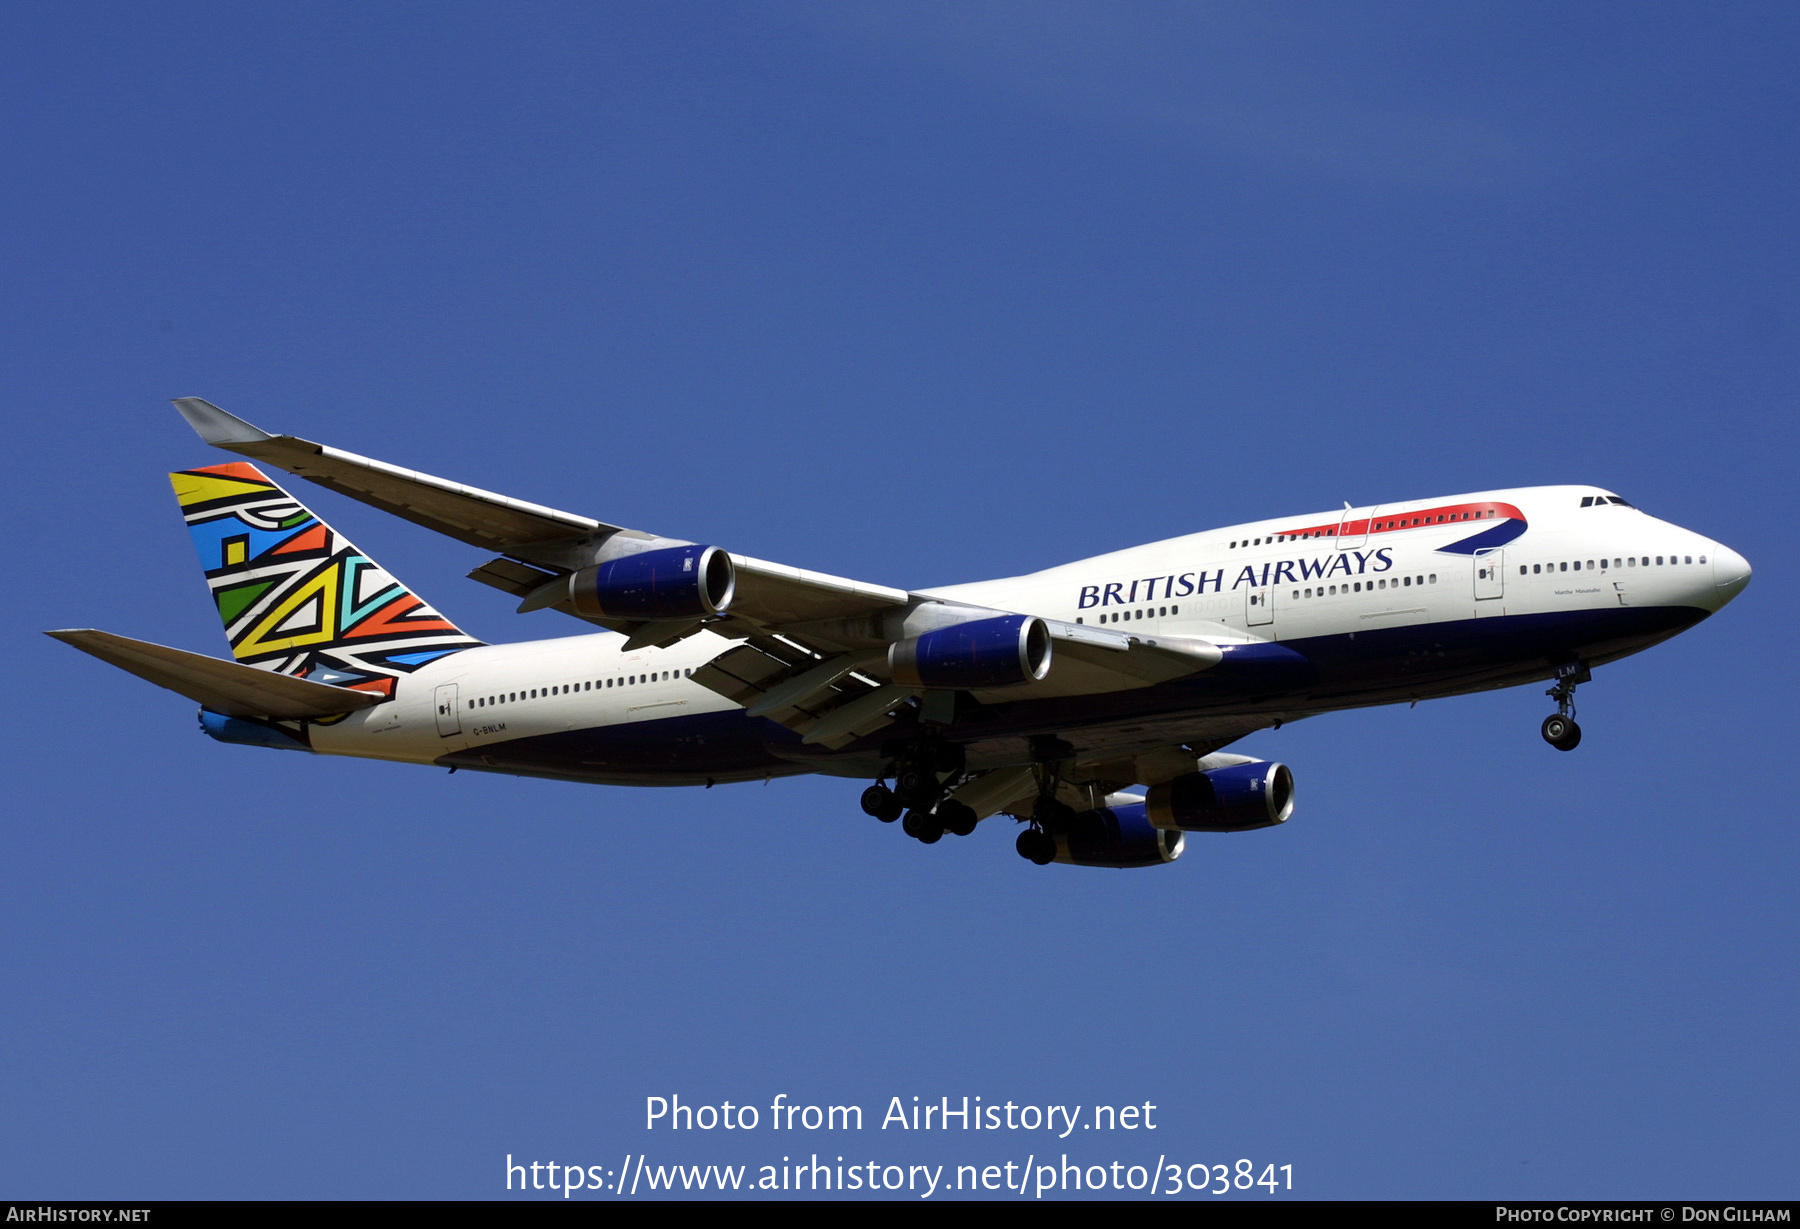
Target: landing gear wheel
(879, 801)
(916, 787)
(1038, 847)
(959, 818)
(1561, 732)
(922, 826)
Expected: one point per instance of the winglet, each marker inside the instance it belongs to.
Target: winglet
(217, 427)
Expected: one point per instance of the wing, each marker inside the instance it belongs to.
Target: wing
(813, 646)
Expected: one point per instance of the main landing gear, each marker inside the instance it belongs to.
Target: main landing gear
(1050, 816)
(1560, 730)
(923, 774)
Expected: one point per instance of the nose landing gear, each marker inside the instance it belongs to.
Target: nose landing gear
(1560, 730)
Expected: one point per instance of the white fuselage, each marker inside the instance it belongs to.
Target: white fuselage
(1287, 580)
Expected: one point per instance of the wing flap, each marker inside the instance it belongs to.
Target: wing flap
(222, 686)
(823, 698)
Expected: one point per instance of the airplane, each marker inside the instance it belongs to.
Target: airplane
(1047, 697)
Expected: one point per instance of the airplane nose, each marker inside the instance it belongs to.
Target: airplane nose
(1731, 571)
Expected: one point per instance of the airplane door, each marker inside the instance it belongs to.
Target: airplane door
(1258, 606)
(449, 720)
(1353, 528)
(1490, 574)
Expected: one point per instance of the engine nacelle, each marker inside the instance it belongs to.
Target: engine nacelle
(1121, 837)
(676, 582)
(998, 652)
(1236, 798)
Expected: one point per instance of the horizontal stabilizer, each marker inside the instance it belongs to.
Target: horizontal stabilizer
(222, 686)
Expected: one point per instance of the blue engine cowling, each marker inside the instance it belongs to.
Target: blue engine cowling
(677, 582)
(1236, 798)
(998, 652)
(1121, 837)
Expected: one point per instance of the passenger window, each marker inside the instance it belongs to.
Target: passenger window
(1434, 578)
(1703, 559)
(1659, 561)
(1562, 567)
(1590, 565)
(1174, 610)
(1578, 565)
(1690, 558)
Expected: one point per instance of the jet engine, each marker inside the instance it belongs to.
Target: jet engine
(1236, 798)
(677, 582)
(1119, 837)
(996, 652)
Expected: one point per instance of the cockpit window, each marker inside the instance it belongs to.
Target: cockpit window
(1622, 503)
(1600, 501)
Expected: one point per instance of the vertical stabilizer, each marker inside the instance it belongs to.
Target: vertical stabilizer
(298, 598)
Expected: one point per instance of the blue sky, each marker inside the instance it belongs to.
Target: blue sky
(919, 294)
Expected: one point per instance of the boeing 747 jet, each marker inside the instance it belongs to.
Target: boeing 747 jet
(1051, 698)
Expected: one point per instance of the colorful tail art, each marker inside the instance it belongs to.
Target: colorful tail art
(295, 596)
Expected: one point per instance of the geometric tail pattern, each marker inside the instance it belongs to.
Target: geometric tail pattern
(295, 596)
